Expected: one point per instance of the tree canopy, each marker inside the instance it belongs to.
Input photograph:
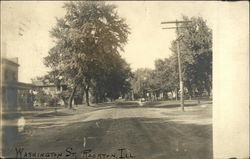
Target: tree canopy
(196, 55)
(196, 60)
(88, 41)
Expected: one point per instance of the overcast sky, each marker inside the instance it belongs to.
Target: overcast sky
(25, 30)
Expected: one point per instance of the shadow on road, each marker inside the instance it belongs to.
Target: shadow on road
(145, 138)
(155, 104)
(51, 114)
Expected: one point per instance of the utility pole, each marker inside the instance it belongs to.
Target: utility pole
(179, 37)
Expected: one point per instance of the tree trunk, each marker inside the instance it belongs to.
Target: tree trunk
(96, 99)
(198, 100)
(172, 94)
(87, 95)
(176, 94)
(132, 95)
(190, 90)
(65, 102)
(71, 96)
(208, 86)
(199, 96)
(165, 95)
(82, 96)
(200, 91)
(208, 91)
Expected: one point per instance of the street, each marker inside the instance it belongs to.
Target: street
(121, 130)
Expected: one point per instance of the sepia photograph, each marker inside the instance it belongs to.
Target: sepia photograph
(120, 80)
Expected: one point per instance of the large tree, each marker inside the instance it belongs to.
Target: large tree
(167, 74)
(114, 82)
(196, 55)
(141, 82)
(85, 37)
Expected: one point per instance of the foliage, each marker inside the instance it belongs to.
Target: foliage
(41, 97)
(196, 61)
(141, 82)
(86, 40)
(46, 99)
(196, 55)
(53, 101)
(115, 82)
(167, 73)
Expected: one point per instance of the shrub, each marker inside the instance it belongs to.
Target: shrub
(53, 101)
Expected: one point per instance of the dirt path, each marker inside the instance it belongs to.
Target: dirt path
(143, 133)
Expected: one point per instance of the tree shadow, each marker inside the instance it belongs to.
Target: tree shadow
(142, 137)
(52, 114)
(154, 104)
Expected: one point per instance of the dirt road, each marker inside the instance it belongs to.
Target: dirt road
(121, 131)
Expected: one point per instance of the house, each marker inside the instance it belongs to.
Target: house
(15, 95)
(9, 74)
(49, 88)
(50, 91)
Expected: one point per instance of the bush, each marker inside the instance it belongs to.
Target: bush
(41, 97)
(53, 101)
(46, 99)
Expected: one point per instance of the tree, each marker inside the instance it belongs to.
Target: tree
(140, 82)
(114, 81)
(167, 74)
(196, 55)
(41, 97)
(84, 38)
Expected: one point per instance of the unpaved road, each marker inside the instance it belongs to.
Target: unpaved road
(154, 132)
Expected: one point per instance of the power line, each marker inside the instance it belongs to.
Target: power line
(178, 52)
(173, 27)
(175, 22)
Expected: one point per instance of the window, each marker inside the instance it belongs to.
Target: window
(6, 75)
(14, 76)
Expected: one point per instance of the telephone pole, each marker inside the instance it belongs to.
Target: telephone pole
(179, 37)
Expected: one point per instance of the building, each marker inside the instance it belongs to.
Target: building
(15, 95)
(9, 74)
(49, 88)
(50, 91)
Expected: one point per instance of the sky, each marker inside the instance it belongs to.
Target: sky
(25, 30)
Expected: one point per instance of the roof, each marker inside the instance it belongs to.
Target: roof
(19, 85)
(10, 61)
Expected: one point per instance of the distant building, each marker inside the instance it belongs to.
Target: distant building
(49, 88)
